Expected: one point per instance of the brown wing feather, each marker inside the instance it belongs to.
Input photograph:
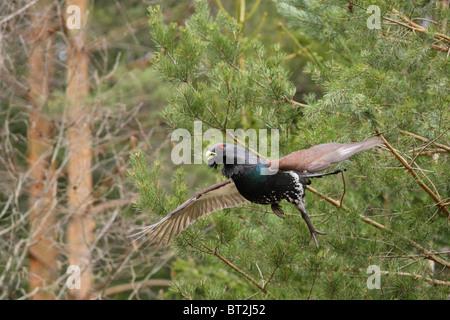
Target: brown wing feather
(322, 156)
(216, 197)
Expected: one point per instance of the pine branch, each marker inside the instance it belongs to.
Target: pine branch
(221, 7)
(115, 34)
(241, 272)
(18, 12)
(428, 254)
(416, 27)
(215, 252)
(435, 282)
(436, 198)
(415, 136)
(301, 48)
(296, 103)
(428, 152)
(132, 286)
(111, 204)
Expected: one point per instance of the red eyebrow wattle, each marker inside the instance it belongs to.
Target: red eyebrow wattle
(220, 147)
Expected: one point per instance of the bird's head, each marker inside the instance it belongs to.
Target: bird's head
(217, 154)
(234, 159)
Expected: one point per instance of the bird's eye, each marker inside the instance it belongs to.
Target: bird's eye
(220, 147)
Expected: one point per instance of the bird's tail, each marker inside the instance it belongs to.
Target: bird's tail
(346, 150)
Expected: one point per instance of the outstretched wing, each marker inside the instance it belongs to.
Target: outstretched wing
(322, 156)
(216, 197)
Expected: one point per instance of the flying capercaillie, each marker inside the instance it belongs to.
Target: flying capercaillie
(259, 181)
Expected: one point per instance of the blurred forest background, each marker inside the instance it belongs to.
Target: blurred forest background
(76, 103)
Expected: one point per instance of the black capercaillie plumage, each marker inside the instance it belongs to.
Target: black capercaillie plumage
(256, 180)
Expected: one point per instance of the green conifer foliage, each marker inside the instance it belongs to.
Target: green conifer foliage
(383, 212)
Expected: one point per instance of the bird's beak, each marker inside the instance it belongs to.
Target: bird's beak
(209, 155)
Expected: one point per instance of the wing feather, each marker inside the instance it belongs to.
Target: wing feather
(322, 156)
(216, 197)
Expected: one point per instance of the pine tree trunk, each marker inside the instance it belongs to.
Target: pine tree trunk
(81, 225)
(42, 189)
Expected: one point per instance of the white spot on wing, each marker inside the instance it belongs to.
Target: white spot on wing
(347, 150)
